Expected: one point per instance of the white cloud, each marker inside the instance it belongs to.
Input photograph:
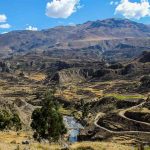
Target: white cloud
(72, 24)
(133, 10)
(5, 26)
(113, 2)
(3, 18)
(62, 8)
(4, 32)
(32, 28)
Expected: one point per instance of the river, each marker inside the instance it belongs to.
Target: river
(73, 128)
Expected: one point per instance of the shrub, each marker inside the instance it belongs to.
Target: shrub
(9, 121)
(145, 81)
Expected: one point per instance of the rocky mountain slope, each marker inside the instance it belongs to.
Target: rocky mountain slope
(105, 71)
(110, 37)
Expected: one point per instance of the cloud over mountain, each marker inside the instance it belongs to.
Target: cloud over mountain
(3, 22)
(61, 8)
(3, 18)
(31, 28)
(5, 26)
(133, 10)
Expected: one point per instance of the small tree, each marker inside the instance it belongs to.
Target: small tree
(47, 122)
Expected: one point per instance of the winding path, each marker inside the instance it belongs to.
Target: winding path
(121, 113)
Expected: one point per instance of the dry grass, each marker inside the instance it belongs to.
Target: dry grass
(101, 146)
(141, 110)
(13, 141)
(8, 137)
(123, 97)
(93, 145)
(37, 76)
(33, 146)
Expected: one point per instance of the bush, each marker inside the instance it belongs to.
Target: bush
(9, 121)
(116, 66)
(145, 81)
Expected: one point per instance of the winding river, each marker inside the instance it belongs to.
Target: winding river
(73, 128)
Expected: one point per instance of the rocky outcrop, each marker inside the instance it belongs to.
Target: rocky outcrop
(84, 74)
(72, 75)
(20, 107)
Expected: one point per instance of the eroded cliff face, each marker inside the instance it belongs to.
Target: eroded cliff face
(73, 75)
(77, 75)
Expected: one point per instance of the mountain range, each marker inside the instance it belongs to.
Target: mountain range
(111, 38)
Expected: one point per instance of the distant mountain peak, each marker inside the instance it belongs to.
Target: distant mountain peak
(115, 23)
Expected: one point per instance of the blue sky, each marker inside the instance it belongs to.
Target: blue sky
(42, 14)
